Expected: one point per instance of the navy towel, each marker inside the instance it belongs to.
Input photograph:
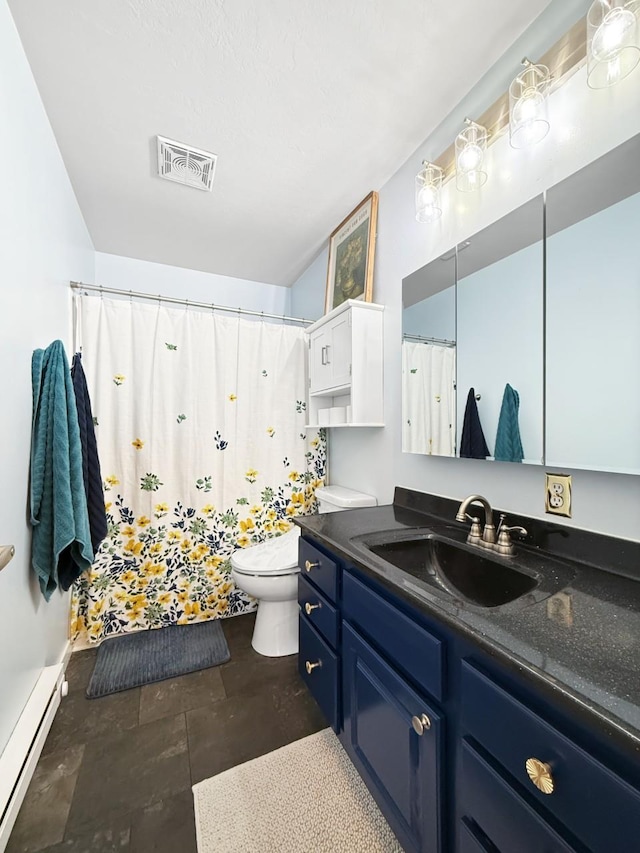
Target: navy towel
(472, 443)
(90, 460)
(60, 542)
(508, 441)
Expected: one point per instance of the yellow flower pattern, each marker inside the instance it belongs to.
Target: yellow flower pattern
(164, 563)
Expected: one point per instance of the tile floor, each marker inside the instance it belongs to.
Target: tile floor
(116, 773)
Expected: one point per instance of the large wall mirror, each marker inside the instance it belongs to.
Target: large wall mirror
(522, 344)
(593, 315)
(500, 311)
(429, 358)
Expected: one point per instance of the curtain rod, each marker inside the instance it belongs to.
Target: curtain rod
(78, 285)
(445, 343)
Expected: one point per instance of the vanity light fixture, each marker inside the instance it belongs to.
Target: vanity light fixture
(471, 146)
(528, 114)
(613, 41)
(428, 188)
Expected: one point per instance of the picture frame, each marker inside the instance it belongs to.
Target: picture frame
(352, 249)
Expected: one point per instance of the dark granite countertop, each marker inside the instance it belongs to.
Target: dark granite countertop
(582, 642)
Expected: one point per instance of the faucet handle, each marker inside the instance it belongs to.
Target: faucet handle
(475, 533)
(521, 530)
(504, 544)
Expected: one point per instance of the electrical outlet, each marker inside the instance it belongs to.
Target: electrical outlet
(558, 500)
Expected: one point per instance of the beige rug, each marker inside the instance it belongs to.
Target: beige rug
(304, 798)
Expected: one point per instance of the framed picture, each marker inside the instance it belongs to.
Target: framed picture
(352, 249)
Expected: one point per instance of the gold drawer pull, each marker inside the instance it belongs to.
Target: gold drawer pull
(309, 565)
(420, 724)
(540, 775)
(311, 666)
(309, 608)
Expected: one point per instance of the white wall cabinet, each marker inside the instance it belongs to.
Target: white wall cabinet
(345, 366)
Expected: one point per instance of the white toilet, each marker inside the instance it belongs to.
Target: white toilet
(269, 572)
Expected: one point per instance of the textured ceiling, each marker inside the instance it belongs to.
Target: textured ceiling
(308, 104)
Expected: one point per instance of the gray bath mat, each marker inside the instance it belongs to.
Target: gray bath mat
(147, 656)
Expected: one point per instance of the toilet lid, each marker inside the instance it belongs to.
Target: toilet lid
(270, 557)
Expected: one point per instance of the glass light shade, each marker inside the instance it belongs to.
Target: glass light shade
(471, 145)
(428, 189)
(613, 41)
(528, 113)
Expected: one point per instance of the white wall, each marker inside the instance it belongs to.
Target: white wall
(148, 277)
(307, 295)
(585, 125)
(43, 244)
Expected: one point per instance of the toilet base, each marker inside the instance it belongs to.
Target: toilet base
(276, 630)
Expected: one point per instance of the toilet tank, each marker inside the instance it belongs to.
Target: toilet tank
(337, 498)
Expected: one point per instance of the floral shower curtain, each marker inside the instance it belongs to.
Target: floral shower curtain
(428, 399)
(200, 427)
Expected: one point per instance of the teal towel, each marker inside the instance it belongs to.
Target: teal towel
(61, 540)
(508, 441)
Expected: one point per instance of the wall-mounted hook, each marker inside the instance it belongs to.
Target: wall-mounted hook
(7, 552)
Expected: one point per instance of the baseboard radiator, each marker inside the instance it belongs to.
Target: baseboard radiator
(20, 755)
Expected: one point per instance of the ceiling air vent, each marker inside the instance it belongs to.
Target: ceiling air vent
(185, 165)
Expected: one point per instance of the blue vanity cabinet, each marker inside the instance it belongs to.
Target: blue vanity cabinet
(394, 738)
(318, 657)
(442, 731)
(561, 780)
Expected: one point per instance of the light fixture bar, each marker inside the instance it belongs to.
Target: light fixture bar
(563, 58)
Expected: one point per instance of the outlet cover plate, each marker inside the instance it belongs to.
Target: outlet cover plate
(558, 494)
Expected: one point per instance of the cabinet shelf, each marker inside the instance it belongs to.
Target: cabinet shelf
(338, 426)
(346, 366)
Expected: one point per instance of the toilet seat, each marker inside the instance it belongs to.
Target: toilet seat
(274, 558)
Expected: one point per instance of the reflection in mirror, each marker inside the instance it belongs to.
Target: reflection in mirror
(429, 358)
(500, 314)
(593, 315)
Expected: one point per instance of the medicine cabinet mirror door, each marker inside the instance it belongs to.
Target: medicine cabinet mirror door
(429, 358)
(500, 334)
(593, 315)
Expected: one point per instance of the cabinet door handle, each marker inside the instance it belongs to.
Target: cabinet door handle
(309, 565)
(311, 666)
(540, 775)
(327, 354)
(420, 724)
(323, 355)
(309, 608)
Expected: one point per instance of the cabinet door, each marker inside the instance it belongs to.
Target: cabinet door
(401, 768)
(319, 368)
(338, 352)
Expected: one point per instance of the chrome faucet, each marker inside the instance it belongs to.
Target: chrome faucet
(498, 541)
(488, 537)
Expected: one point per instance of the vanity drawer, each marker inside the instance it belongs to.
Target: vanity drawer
(587, 797)
(506, 819)
(319, 569)
(469, 840)
(322, 679)
(322, 615)
(417, 652)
